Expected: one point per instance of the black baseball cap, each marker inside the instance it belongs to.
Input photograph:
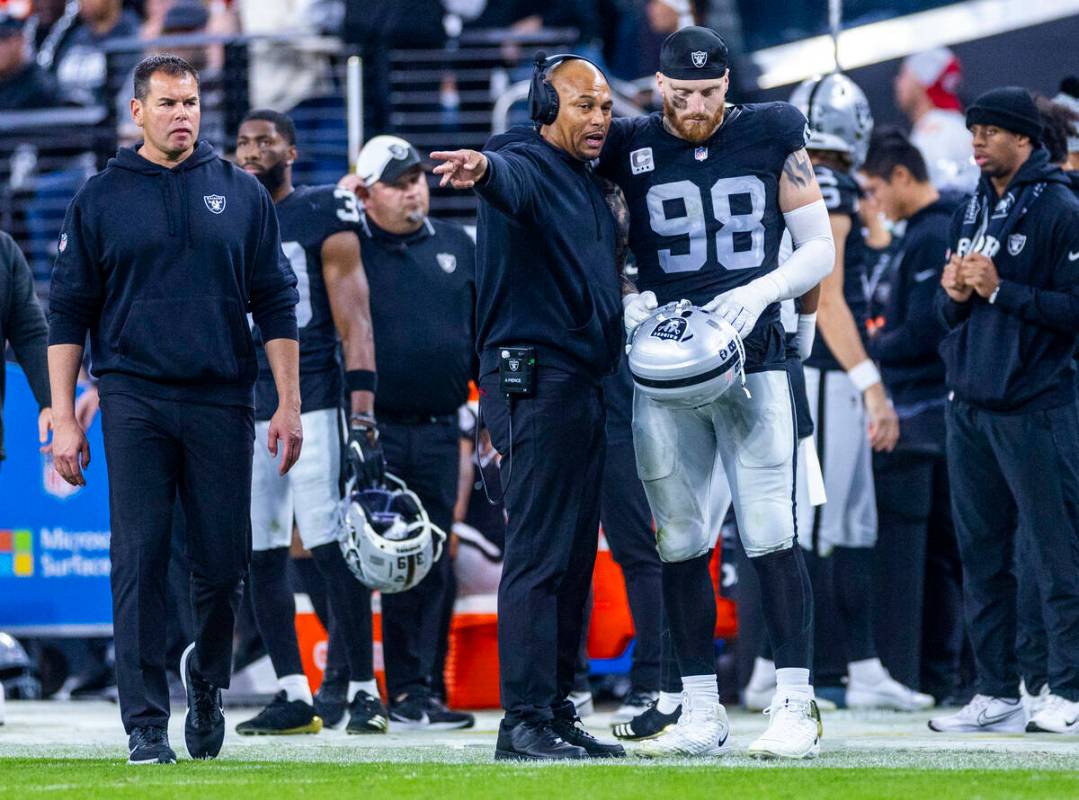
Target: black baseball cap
(693, 54)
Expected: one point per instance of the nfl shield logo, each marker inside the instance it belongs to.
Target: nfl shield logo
(214, 202)
(1016, 242)
(448, 262)
(701, 153)
(700, 58)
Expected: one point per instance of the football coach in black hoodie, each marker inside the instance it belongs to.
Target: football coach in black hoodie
(161, 257)
(548, 303)
(1012, 309)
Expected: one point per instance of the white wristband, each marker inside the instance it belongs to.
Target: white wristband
(864, 375)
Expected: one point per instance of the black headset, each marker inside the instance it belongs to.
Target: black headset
(542, 97)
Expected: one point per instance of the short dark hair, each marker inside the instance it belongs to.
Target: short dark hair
(890, 148)
(1058, 123)
(283, 122)
(166, 63)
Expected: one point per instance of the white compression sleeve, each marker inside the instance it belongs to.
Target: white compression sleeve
(813, 257)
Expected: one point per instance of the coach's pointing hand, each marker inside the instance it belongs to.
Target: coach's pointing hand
(285, 427)
(462, 168)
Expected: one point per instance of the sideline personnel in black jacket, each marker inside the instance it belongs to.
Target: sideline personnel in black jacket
(917, 554)
(23, 325)
(1012, 305)
(161, 257)
(546, 278)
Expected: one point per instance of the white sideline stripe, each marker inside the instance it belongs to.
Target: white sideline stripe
(899, 37)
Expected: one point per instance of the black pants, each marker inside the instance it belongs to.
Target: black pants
(627, 526)
(918, 598)
(551, 473)
(1032, 640)
(1017, 475)
(155, 448)
(426, 457)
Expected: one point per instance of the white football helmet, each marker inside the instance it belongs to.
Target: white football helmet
(686, 357)
(838, 114)
(388, 542)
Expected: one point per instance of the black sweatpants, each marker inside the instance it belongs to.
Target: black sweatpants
(917, 576)
(155, 448)
(1017, 475)
(551, 473)
(627, 526)
(425, 455)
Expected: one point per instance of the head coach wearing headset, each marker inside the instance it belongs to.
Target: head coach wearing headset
(548, 315)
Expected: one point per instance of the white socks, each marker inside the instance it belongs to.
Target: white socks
(296, 688)
(668, 702)
(869, 671)
(793, 682)
(703, 690)
(355, 687)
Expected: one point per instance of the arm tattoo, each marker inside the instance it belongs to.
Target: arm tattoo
(616, 202)
(799, 169)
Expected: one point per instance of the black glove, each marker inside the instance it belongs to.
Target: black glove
(365, 452)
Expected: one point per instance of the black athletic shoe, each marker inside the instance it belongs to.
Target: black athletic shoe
(149, 746)
(571, 731)
(648, 725)
(281, 718)
(204, 728)
(367, 715)
(421, 712)
(331, 699)
(534, 741)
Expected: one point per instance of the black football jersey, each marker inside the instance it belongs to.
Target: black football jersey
(309, 216)
(841, 192)
(705, 219)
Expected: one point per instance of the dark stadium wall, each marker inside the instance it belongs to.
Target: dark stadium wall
(1036, 57)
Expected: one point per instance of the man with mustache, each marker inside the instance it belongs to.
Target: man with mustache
(548, 332)
(710, 188)
(318, 236)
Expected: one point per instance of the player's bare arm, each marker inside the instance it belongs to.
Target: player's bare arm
(285, 427)
(70, 450)
(349, 294)
(840, 332)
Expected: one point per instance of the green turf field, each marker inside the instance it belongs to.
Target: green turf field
(32, 778)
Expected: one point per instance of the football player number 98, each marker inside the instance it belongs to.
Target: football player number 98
(692, 223)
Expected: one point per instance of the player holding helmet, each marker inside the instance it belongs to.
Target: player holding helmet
(710, 188)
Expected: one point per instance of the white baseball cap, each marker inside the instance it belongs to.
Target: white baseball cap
(386, 158)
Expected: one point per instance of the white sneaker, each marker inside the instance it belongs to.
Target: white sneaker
(1055, 715)
(634, 704)
(886, 693)
(794, 730)
(1033, 703)
(582, 701)
(700, 731)
(983, 714)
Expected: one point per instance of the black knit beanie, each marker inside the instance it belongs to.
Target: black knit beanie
(1011, 108)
